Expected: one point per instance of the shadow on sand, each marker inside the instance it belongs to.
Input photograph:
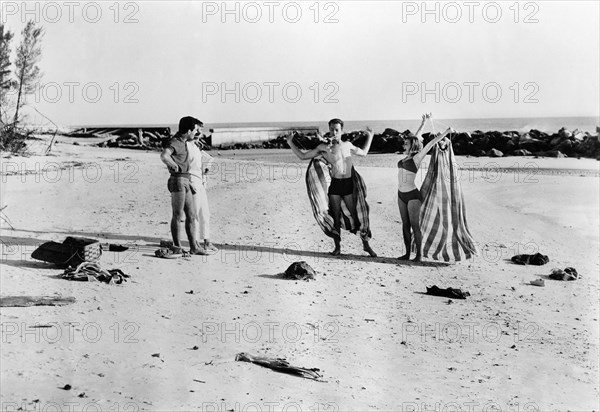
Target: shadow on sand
(23, 247)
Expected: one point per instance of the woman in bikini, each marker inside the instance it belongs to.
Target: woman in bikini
(409, 197)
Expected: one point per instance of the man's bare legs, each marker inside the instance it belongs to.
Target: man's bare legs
(335, 206)
(184, 208)
(351, 205)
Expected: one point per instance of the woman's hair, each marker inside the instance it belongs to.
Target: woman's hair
(415, 144)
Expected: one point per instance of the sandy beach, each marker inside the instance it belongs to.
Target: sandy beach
(167, 338)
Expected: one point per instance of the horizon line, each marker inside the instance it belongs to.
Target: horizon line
(352, 120)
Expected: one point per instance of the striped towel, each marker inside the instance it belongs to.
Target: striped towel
(317, 181)
(443, 214)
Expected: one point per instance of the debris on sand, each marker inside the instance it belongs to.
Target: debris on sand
(567, 274)
(280, 365)
(538, 259)
(447, 293)
(25, 301)
(300, 271)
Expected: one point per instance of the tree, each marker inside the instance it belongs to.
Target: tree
(5, 81)
(27, 70)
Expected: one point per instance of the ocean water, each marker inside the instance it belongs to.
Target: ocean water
(545, 124)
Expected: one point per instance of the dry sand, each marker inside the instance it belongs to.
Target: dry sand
(380, 343)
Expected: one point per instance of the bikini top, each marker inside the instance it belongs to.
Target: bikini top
(408, 164)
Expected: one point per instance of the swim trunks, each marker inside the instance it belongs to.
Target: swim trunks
(180, 183)
(341, 187)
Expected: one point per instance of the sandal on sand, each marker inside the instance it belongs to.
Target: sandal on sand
(200, 252)
(210, 249)
(166, 243)
(167, 253)
(538, 282)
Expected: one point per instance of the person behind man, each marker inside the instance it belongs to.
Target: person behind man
(338, 155)
(200, 162)
(177, 158)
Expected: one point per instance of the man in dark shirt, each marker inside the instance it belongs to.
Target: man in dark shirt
(175, 155)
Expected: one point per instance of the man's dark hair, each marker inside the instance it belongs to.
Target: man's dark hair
(336, 121)
(187, 123)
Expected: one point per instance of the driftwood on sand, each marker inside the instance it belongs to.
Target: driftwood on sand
(26, 301)
(280, 365)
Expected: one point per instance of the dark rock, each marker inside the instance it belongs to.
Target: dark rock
(532, 144)
(551, 153)
(497, 140)
(579, 136)
(495, 153)
(590, 147)
(564, 133)
(556, 140)
(390, 132)
(359, 139)
(521, 152)
(393, 144)
(300, 271)
(566, 146)
(536, 134)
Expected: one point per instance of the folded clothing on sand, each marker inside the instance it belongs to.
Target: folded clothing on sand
(567, 274)
(538, 259)
(89, 271)
(447, 293)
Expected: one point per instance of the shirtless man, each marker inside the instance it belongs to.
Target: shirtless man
(338, 155)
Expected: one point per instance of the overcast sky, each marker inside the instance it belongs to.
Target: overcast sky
(152, 62)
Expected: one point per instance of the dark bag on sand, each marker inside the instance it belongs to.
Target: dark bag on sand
(72, 252)
(538, 259)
